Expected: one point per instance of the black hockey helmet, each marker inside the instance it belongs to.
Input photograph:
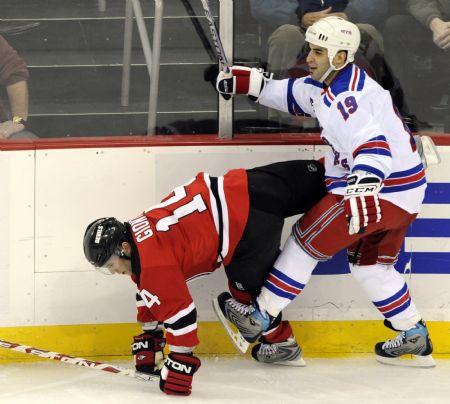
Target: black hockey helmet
(102, 239)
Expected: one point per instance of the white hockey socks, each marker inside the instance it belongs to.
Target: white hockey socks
(389, 293)
(290, 274)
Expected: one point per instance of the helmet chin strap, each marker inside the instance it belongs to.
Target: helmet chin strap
(331, 55)
(327, 73)
(330, 70)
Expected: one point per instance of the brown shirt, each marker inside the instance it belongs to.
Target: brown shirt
(12, 69)
(426, 10)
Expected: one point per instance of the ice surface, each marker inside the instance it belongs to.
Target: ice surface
(233, 380)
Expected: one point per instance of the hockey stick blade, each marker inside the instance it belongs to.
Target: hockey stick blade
(430, 151)
(106, 367)
(236, 337)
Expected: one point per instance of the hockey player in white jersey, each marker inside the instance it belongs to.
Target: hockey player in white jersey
(376, 184)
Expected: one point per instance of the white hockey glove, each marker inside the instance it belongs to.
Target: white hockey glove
(361, 203)
(242, 80)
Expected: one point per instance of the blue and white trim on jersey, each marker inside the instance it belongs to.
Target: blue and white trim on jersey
(369, 169)
(293, 106)
(351, 78)
(335, 182)
(377, 145)
(404, 180)
(396, 182)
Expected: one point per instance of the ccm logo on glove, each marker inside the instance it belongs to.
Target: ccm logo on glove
(362, 189)
(361, 202)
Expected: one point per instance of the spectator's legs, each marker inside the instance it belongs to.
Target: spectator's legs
(372, 50)
(23, 134)
(373, 35)
(283, 47)
(404, 38)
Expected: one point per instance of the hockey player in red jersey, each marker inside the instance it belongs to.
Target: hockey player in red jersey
(376, 185)
(235, 220)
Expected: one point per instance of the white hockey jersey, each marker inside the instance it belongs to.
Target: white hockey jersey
(360, 124)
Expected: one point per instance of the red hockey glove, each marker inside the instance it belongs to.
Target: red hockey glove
(361, 204)
(148, 351)
(242, 80)
(177, 374)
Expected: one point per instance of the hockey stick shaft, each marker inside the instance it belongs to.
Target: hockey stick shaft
(223, 61)
(77, 361)
(199, 29)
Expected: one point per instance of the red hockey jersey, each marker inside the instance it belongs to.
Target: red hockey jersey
(189, 234)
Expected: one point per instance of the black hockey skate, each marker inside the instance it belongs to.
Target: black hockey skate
(414, 342)
(287, 353)
(248, 319)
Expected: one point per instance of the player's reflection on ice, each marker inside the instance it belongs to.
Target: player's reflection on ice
(233, 380)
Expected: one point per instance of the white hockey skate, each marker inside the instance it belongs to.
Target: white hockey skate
(411, 348)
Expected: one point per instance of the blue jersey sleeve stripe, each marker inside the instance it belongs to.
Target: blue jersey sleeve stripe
(408, 172)
(398, 188)
(362, 79)
(334, 185)
(293, 106)
(375, 150)
(315, 83)
(370, 169)
(379, 137)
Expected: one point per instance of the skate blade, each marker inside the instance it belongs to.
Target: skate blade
(300, 362)
(415, 361)
(236, 337)
(429, 150)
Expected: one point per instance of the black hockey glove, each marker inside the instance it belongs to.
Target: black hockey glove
(148, 351)
(177, 374)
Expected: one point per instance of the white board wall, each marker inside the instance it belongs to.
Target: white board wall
(51, 195)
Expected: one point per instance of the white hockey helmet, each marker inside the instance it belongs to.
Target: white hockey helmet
(335, 34)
